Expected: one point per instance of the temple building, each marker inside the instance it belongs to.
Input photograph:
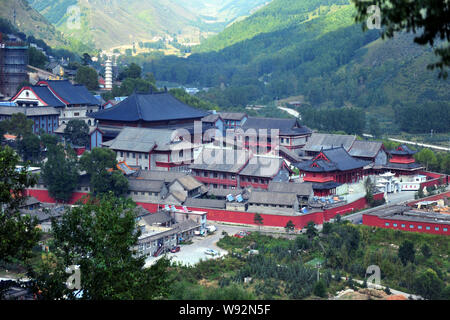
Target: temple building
(44, 118)
(72, 101)
(152, 149)
(330, 169)
(147, 110)
(402, 161)
(238, 169)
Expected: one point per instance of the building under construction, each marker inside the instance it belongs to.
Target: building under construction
(13, 66)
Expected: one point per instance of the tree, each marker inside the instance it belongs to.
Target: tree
(258, 220)
(320, 289)
(374, 127)
(133, 71)
(369, 186)
(406, 252)
(101, 237)
(327, 227)
(77, 133)
(18, 125)
(18, 233)
(311, 230)
(29, 148)
(97, 164)
(60, 173)
(426, 157)
(428, 285)
(290, 226)
(88, 77)
(87, 60)
(36, 58)
(429, 18)
(426, 251)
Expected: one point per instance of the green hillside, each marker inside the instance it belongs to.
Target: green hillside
(315, 50)
(107, 24)
(30, 22)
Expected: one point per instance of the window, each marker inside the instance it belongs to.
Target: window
(445, 229)
(121, 154)
(403, 225)
(419, 227)
(395, 224)
(146, 156)
(134, 155)
(387, 224)
(436, 228)
(428, 228)
(411, 226)
(76, 114)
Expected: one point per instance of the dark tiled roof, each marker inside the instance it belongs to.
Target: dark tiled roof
(29, 111)
(402, 150)
(231, 161)
(140, 139)
(204, 203)
(145, 185)
(300, 189)
(326, 185)
(189, 182)
(49, 98)
(319, 141)
(234, 116)
(157, 218)
(280, 198)
(149, 107)
(72, 94)
(262, 167)
(211, 117)
(365, 149)
(403, 166)
(339, 160)
(290, 154)
(166, 176)
(285, 126)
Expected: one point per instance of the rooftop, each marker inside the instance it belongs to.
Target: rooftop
(70, 94)
(278, 198)
(336, 159)
(365, 149)
(288, 126)
(319, 141)
(300, 189)
(150, 107)
(406, 213)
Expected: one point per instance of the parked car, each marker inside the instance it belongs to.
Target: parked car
(211, 228)
(242, 234)
(211, 252)
(175, 249)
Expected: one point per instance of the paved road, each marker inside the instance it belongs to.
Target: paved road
(402, 197)
(421, 144)
(393, 291)
(290, 111)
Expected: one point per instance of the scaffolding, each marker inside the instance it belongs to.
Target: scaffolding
(13, 66)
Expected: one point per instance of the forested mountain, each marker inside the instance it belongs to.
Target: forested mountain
(110, 23)
(29, 21)
(312, 48)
